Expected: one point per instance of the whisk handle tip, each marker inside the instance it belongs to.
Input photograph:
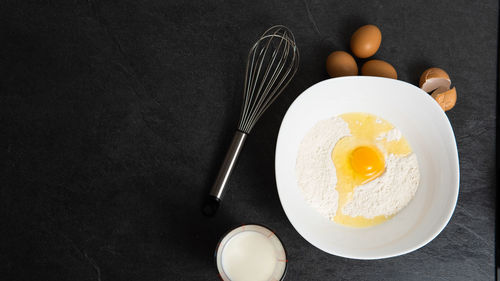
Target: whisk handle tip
(211, 205)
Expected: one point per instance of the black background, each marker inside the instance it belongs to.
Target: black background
(115, 117)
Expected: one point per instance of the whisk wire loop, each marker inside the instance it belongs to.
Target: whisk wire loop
(272, 62)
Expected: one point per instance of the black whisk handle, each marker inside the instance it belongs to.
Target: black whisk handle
(211, 205)
(221, 182)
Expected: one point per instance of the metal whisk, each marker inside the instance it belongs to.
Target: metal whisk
(272, 62)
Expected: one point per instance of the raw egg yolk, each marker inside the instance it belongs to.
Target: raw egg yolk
(367, 162)
(359, 159)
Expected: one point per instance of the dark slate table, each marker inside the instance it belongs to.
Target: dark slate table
(116, 116)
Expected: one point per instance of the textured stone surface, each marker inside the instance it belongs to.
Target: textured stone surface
(116, 116)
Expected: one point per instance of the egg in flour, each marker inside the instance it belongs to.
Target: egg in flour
(357, 169)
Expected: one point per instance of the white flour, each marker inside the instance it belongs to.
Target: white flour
(316, 175)
(391, 135)
(389, 193)
(315, 171)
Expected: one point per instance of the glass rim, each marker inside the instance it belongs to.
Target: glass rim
(249, 224)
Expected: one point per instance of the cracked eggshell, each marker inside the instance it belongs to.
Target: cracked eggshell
(445, 97)
(434, 78)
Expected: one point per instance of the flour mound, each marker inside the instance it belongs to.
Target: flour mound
(316, 175)
(389, 193)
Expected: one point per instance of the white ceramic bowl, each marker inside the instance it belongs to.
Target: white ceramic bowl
(431, 137)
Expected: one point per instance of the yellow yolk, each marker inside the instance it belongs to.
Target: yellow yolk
(368, 162)
(360, 158)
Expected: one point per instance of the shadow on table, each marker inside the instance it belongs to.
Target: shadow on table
(416, 69)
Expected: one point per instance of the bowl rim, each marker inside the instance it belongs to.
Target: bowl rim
(456, 168)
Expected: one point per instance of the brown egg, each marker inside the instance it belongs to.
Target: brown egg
(366, 41)
(379, 68)
(340, 63)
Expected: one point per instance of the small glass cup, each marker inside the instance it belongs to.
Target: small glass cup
(280, 251)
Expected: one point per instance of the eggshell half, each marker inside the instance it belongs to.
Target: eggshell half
(446, 98)
(434, 78)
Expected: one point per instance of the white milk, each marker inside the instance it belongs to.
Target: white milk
(249, 256)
